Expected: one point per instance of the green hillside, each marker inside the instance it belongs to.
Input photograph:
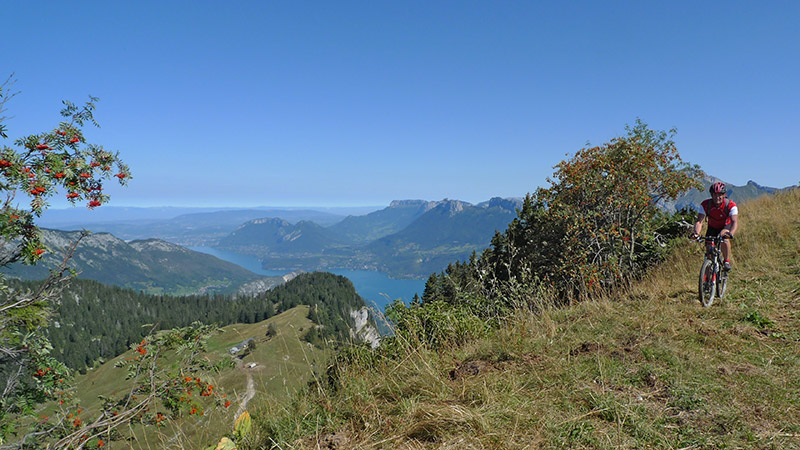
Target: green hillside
(644, 367)
(112, 318)
(259, 360)
(282, 364)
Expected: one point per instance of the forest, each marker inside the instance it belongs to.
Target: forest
(93, 322)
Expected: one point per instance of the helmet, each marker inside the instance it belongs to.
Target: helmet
(717, 188)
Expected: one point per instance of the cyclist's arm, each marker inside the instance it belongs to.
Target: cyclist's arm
(734, 224)
(698, 224)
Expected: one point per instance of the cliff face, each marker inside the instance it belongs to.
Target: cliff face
(364, 330)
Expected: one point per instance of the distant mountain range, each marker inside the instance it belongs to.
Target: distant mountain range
(409, 238)
(738, 194)
(191, 229)
(151, 265)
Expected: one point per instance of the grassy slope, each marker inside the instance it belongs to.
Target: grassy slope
(649, 368)
(284, 364)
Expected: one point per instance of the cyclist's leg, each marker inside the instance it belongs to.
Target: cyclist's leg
(726, 248)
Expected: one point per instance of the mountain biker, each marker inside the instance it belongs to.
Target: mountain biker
(723, 219)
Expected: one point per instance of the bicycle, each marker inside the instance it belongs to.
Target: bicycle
(713, 279)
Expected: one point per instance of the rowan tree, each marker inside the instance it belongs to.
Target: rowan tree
(61, 162)
(58, 161)
(597, 224)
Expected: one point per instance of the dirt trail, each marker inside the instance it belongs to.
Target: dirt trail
(249, 394)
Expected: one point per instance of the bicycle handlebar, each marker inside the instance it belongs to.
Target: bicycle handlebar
(711, 238)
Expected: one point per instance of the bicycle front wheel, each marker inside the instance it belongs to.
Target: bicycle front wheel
(706, 285)
(722, 283)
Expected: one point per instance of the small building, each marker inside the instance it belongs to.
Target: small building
(240, 347)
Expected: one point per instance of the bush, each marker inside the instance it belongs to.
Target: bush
(595, 227)
(598, 223)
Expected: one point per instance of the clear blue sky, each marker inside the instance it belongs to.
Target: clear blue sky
(301, 103)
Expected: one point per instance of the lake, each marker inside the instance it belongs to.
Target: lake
(375, 287)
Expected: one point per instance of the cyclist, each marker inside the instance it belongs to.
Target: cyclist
(723, 219)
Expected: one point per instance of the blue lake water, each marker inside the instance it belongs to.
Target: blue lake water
(375, 287)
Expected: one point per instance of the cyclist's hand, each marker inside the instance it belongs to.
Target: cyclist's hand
(693, 235)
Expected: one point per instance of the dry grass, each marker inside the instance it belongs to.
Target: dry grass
(649, 368)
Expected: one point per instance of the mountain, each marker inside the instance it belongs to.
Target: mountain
(409, 238)
(82, 218)
(738, 194)
(192, 229)
(150, 265)
(506, 203)
(375, 225)
(450, 231)
(275, 235)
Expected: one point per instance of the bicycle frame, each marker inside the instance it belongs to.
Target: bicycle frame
(713, 279)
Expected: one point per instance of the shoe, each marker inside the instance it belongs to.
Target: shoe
(726, 266)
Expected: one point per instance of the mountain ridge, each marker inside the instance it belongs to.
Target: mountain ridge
(150, 265)
(409, 238)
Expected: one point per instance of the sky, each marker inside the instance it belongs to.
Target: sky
(320, 103)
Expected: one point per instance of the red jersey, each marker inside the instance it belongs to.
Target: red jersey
(719, 216)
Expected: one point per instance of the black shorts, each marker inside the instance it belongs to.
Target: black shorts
(715, 231)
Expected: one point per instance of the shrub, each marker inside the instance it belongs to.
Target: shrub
(597, 225)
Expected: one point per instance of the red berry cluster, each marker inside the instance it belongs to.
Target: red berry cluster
(140, 349)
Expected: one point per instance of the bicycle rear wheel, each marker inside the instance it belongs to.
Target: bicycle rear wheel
(706, 285)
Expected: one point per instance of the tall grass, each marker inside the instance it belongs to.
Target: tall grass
(644, 367)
